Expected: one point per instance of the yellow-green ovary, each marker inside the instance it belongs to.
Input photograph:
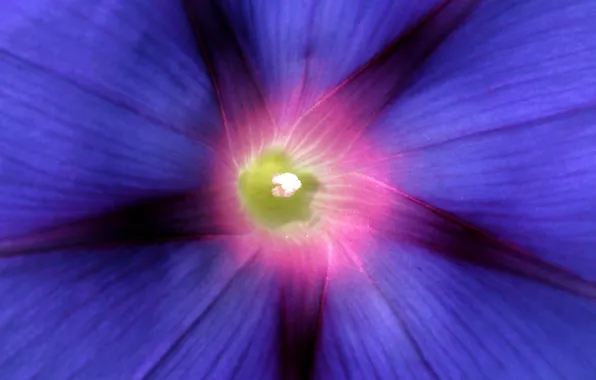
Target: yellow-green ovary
(256, 185)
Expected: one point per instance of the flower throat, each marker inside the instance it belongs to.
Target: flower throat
(275, 193)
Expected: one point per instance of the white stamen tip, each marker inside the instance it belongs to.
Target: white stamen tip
(286, 185)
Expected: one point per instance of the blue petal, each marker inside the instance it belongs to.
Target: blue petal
(500, 128)
(169, 311)
(363, 336)
(302, 49)
(414, 314)
(101, 102)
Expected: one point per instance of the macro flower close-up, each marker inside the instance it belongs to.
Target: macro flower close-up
(298, 189)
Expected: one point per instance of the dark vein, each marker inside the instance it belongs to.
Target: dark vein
(302, 300)
(152, 220)
(241, 101)
(379, 81)
(447, 234)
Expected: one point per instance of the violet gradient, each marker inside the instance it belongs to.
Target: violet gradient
(111, 264)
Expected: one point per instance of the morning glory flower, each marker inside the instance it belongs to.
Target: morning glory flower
(297, 189)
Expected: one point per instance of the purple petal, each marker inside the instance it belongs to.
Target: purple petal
(302, 49)
(169, 311)
(411, 311)
(500, 128)
(99, 104)
(364, 336)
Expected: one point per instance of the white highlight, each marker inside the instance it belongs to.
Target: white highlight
(286, 185)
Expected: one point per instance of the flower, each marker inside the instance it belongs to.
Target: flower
(442, 227)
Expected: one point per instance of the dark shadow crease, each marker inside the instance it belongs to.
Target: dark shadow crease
(241, 101)
(381, 80)
(446, 234)
(181, 216)
(302, 299)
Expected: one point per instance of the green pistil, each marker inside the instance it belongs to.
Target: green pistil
(256, 185)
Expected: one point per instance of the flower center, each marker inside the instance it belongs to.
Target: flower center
(286, 185)
(275, 193)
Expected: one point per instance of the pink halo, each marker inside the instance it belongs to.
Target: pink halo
(352, 204)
